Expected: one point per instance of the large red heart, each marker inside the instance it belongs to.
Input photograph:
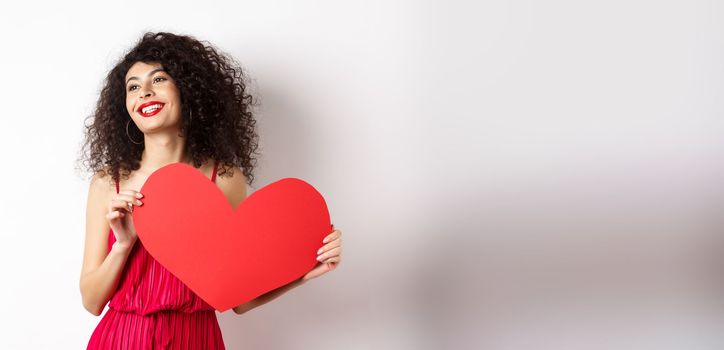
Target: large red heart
(226, 256)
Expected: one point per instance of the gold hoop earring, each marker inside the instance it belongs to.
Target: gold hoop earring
(129, 136)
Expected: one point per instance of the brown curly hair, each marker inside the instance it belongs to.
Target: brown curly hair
(216, 119)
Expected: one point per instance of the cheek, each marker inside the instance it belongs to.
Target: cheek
(129, 109)
(174, 94)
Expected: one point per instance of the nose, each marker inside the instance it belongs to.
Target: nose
(145, 93)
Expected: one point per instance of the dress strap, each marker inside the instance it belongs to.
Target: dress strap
(213, 175)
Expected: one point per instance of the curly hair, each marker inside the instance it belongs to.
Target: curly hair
(216, 119)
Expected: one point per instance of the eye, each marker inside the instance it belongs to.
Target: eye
(156, 79)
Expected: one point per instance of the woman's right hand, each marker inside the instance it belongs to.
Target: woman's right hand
(120, 216)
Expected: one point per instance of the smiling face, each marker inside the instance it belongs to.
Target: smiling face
(152, 99)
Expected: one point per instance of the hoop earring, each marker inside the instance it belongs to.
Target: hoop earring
(129, 136)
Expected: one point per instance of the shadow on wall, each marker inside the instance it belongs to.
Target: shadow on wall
(503, 279)
(286, 144)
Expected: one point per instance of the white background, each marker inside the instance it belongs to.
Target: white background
(506, 174)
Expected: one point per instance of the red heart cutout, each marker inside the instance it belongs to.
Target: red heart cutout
(226, 256)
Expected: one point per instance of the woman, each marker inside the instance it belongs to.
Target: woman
(170, 99)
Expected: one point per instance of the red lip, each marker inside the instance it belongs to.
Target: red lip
(149, 103)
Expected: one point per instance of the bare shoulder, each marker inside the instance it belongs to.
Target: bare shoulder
(233, 185)
(102, 184)
(101, 190)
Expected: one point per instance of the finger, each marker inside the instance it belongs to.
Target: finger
(132, 193)
(126, 201)
(331, 236)
(333, 244)
(121, 205)
(329, 254)
(330, 239)
(118, 205)
(331, 260)
(129, 198)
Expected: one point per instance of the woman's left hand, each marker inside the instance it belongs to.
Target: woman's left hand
(328, 256)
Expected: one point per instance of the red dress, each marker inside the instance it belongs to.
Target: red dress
(152, 309)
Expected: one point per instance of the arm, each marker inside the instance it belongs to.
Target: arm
(267, 297)
(101, 272)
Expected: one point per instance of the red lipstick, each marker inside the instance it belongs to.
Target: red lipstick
(151, 112)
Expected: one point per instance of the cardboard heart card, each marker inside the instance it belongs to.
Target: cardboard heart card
(229, 256)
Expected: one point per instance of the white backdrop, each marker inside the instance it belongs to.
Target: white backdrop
(506, 174)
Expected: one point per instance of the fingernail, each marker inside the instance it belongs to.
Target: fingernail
(139, 195)
(139, 203)
(319, 258)
(324, 240)
(319, 251)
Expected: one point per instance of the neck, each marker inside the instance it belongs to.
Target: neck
(162, 149)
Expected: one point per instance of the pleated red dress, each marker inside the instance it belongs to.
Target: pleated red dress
(152, 309)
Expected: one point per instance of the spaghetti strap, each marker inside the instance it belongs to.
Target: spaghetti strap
(213, 175)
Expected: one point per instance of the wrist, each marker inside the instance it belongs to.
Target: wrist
(122, 246)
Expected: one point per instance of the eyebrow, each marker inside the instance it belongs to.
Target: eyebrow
(149, 74)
